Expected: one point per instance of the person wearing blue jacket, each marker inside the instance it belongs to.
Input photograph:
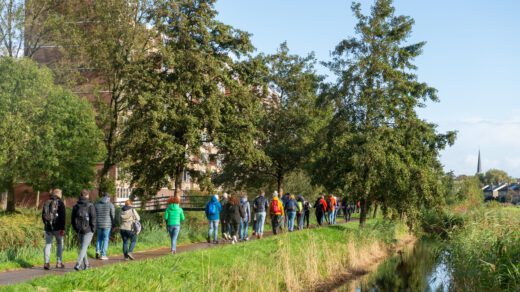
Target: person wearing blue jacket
(213, 209)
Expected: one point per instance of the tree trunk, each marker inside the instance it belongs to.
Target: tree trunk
(279, 184)
(3, 200)
(11, 200)
(363, 213)
(37, 199)
(178, 181)
(375, 210)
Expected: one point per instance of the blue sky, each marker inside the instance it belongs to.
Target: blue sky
(472, 57)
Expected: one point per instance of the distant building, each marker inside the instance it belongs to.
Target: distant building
(504, 193)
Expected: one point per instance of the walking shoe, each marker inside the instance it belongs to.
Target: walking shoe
(246, 239)
(77, 268)
(130, 256)
(97, 256)
(47, 266)
(127, 258)
(103, 258)
(215, 241)
(173, 252)
(86, 268)
(60, 266)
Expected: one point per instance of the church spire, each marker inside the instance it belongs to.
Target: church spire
(479, 164)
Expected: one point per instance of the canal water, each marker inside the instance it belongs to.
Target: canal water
(422, 267)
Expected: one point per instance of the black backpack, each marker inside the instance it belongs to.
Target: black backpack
(82, 220)
(50, 212)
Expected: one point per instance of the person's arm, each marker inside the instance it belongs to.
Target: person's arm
(182, 215)
(62, 216)
(43, 213)
(166, 216)
(281, 207)
(113, 215)
(93, 218)
(137, 217)
(73, 219)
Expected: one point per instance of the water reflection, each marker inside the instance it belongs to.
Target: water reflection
(422, 268)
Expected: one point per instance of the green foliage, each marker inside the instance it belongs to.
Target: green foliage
(178, 108)
(298, 182)
(495, 177)
(376, 147)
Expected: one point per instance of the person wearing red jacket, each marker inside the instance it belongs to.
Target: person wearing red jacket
(321, 209)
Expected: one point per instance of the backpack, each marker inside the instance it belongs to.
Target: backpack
(82, 220)
(300, 206)
(275, 207)
(50, 212)
(212, 209)
(136, 225)
(290, 205)
(330, 206)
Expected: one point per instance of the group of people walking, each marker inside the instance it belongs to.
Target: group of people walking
(233, 213)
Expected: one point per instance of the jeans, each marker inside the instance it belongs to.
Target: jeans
(260, 221)
(244, 225)
(129, 238)
(103, 236)
(174, 230)
(275, 221)
(331, 217)
(84, 241)
(336, 211)
(290, 220)
(213, 229)
(48, 245)
(299, 218)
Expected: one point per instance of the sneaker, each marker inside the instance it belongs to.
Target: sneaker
(246, 239)
(47, 266)
(86, 268)
(60, 266)
(215, 241)
(77, 268)
(173, 252)
(103, 258)
(130, 256)
(97, 256)
(127, 258)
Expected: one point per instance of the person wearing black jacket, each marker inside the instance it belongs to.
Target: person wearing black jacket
(84, 223)
(53, 217)
(236, 214)
(260, 207)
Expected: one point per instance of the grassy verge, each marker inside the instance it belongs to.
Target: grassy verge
(291, 261)
(485, 253)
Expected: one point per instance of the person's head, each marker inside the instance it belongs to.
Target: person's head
(287, 194)
(292, 197)
(174, 200)
(84, 194)
(215, 197)
(57, 193)
(275, 194)
(105, 194)
(322, 197)
(128, 203)
(262, 193)
(234, 200)
(244, 196)
(225, 195)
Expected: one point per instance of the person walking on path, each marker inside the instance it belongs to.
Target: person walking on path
(213, 209)
(331, 208)
(276, 212)
(290, 207)
(105, 221)
(224, 217)
(83, 220)
(244, 223)
(128, 217)
(300, 212)
(236, 215)
(307, 212)
(53, 217)
(285, 199)
(173, 216)
(260, 207)
(321, 209)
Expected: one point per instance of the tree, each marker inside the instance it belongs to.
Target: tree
(289, 123)
(376, 148)
(495, 177)
(26, 25)
(46, 134)
(179, 94)
(105, 40)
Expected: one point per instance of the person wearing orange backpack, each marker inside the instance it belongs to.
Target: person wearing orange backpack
(276, 212)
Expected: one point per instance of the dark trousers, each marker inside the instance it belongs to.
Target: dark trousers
(319, 217)
(234, 227)
(129, 240)
(275, 223)
(307, 218)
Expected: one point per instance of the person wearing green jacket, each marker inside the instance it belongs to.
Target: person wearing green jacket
(173, 217)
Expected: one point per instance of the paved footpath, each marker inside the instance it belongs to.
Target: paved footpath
(23, 275)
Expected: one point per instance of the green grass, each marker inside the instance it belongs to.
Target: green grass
(286, 262)
(486, 252)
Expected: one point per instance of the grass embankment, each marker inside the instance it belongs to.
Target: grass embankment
(485, 253)
(291, 261)
(22, 240)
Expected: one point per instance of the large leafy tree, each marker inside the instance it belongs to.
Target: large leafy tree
(179, 96)
(48, 136)
(376, 148)
(288, 124)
